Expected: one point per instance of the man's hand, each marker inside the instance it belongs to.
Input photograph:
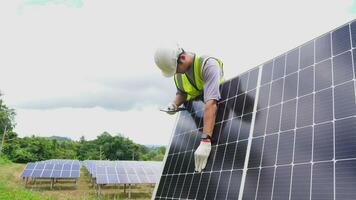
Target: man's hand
(201, 155)
(172, 108)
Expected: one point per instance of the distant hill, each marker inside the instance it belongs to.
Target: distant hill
(59, 138)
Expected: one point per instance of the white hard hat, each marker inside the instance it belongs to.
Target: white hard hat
(166, 60)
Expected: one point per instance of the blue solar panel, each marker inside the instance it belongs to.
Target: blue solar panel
(52, 169)
(49, 166)
(124, 172)
(65, 174)
(133, 178)
(56, 173)
(120, 170)
(28, 170)
(46, 174)
(58, 167)
(143, 178)
(40, 166)
(149, 171)
(112, 178)
(130, 170)
(102, 179)
(288, 134)
(100, 170)
(37, 173)
(27, 173)
(67, 167)
(152, 178)
(111, 170)
(123, 178)
(30, 166)
(75, 167)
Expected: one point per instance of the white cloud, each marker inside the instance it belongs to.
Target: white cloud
(115, 93)
(143, 125)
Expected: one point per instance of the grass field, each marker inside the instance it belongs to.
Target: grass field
(12, 187)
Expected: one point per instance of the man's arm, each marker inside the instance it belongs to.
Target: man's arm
(179, 99)
(211, 76)
(203, 151)
(209, 116)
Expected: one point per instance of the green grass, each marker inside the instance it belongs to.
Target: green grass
(4, 160)
(12, 187)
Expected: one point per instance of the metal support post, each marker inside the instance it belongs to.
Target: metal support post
(52, 183)
(129, 191)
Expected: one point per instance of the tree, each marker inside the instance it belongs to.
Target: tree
(82, 139)
(7, 117)
(7, 123)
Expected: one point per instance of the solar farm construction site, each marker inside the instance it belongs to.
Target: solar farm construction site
(102, 177)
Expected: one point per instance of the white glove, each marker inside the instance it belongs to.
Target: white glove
(172, 108)
(201, 155)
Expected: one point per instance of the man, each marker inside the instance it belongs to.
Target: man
(193, 75)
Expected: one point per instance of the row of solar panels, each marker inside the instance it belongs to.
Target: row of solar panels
(124, 172)
(52, 169)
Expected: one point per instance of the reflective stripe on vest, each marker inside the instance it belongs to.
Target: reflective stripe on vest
(191, 82)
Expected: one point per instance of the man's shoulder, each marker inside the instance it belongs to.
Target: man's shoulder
(212, 61)
(211, 70)
(211, 65)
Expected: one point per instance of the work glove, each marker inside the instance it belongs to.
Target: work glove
(201, 155)
(172, 108)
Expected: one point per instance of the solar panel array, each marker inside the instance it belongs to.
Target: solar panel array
(124, 172)
(284, 130)
(52, 169)
(91, 165)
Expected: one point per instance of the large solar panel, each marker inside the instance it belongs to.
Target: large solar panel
(124, 172)
(52, 169)
(284, 130)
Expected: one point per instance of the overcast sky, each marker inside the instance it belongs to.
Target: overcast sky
(81, 67)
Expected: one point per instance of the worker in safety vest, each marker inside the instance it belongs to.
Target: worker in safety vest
(193, 74)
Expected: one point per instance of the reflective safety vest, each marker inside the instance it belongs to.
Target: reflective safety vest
(191, 82)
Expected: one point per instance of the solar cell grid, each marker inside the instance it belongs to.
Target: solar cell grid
(26, 173)
(125, 172)
(295, 127)
(52, 169)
